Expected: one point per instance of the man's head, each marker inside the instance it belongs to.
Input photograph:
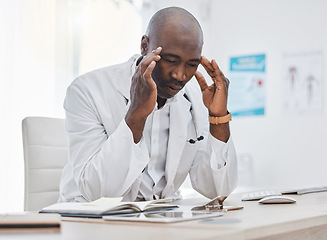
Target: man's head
(181, 38)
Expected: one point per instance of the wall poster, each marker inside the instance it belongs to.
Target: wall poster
(247, 93)
(302, 82)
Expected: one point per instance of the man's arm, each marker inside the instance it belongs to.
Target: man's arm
(143, 95)
(220, 131)
(96, 154)
(217, 157)
(104, 161)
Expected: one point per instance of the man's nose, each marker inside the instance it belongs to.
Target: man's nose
(179, 73)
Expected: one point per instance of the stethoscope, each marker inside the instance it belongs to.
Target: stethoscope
(201, 137)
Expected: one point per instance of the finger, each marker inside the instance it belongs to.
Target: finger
(208, 67)
(211, 73)
(147, 60)
(227, 82)
(147, 73)
(219, 74)
(206, 63)
(201, 80)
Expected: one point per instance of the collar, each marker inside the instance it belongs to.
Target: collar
(124, 76)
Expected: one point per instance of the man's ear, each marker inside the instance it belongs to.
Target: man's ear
(144, 45)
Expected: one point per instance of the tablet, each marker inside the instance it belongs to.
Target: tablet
(163, 216)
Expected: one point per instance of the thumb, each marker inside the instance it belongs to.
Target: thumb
(201, 81)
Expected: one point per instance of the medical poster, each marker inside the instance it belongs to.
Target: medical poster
(247, 93)
(302, 82)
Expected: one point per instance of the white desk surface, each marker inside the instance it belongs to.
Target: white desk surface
(306, 219)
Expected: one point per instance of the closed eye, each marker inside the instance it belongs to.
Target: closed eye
(193, 64)
(170, 61)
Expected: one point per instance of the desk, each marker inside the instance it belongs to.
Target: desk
(306, 219)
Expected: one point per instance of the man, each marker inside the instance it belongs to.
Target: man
(138, 129)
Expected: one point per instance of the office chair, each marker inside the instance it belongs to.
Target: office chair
(45, 154)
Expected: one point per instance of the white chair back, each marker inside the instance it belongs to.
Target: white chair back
(45, 154)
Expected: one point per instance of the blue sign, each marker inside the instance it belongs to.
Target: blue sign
(247, 85)
(255, 63)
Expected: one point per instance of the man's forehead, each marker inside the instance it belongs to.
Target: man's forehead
(180, 24)
(173, 32)
(192, 58)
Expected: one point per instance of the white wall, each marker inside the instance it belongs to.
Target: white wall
(42, 49)
(287, 150)
(27, 85)
(276, 150)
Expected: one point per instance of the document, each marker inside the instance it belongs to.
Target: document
(106, 206)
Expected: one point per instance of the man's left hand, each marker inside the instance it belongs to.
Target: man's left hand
(215, 95)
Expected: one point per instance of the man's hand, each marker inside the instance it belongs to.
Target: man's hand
(143, 94)
(215, 96)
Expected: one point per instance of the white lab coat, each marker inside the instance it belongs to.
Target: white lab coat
(105, 161)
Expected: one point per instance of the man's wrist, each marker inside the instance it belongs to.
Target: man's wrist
(220, 120)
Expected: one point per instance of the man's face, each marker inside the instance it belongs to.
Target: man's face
(180, 57)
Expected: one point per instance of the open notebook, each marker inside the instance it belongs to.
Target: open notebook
(106, 206)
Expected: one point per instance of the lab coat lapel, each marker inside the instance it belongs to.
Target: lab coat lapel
(124, 78)
(179, 113)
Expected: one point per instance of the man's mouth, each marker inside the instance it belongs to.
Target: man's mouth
(175, 87)
(170, 89)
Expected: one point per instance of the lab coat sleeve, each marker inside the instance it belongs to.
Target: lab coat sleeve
(219, 159)
(104, 164)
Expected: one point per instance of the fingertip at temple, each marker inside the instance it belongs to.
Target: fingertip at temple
(201, 81)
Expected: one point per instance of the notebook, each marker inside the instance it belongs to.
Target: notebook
(106, 206)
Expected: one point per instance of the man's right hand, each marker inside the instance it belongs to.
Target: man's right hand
(143, 94)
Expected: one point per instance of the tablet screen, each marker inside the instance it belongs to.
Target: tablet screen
(163, 216)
